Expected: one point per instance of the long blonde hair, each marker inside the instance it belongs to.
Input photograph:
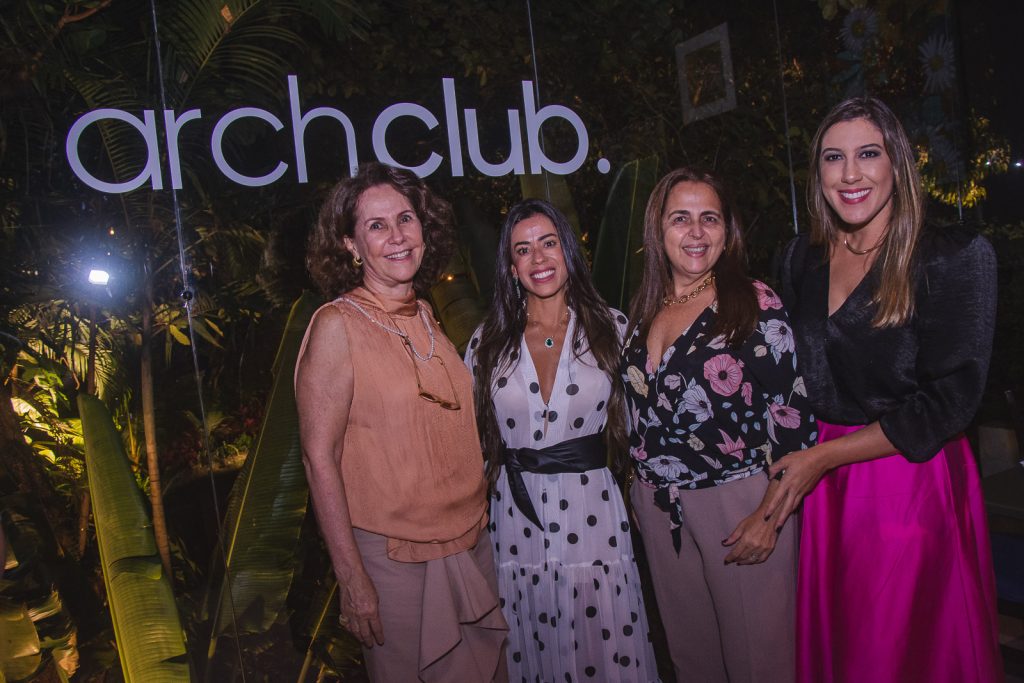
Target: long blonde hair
(894, 295)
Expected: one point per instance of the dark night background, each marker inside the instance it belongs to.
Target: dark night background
(240, 251)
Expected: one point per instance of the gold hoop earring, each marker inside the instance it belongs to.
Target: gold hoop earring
(356, 261)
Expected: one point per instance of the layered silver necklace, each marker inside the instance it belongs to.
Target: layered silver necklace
(398, 332)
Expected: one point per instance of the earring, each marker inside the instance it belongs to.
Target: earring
(519, 290)
(356, 261)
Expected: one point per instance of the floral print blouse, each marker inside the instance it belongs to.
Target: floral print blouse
(709, 414)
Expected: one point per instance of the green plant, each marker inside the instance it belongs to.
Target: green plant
(150, 638)
(267, 504)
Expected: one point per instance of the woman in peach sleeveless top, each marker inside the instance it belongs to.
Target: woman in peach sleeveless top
(389, 438)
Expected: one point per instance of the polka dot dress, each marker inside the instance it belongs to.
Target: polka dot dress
(570, 591)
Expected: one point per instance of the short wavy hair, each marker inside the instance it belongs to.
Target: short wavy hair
(331, 264)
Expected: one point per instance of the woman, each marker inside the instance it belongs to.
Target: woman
(713, 396)
(549, 407)
(894, 324)
(389, 438)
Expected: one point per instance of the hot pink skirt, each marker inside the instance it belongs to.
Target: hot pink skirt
(896, 581)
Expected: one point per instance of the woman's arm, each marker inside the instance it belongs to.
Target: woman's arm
(799, 472)
(793, 477)
(323, 396)
(954, 325)
(770, 367)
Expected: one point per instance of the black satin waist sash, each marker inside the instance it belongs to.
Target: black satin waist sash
(575, 455)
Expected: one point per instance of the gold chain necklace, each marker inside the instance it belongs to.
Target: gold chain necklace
(708, 281)
(858, 252)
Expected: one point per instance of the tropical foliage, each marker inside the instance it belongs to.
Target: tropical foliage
(180, 345)
(149, 633)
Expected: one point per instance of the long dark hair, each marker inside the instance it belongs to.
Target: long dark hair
(503, 329)
(330, 263)
(894, 296)
(737, 299)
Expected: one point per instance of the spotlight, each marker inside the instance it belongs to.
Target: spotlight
(98, 277)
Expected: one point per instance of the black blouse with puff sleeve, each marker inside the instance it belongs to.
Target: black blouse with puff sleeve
(922, 381)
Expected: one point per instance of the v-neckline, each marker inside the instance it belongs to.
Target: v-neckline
(853, 292)
(663, 362)
(566, 342)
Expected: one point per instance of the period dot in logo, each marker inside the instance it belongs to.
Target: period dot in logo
(603, 165)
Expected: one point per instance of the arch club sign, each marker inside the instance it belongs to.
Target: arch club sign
(530, 118)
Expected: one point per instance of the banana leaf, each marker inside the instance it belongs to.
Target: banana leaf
(618, 254)
(29, 591)
(20, 652)
(267, 503)
(457, 303)
(478, 238)
(554, 189)
(150, 639)
(316, 623)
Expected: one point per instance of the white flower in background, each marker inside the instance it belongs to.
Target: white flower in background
(859, 28)
(943, 154)
(937, 61)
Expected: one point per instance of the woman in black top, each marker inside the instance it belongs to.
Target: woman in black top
(894, 327)
(712, 394)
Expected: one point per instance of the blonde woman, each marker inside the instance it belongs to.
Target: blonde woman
(894, 323)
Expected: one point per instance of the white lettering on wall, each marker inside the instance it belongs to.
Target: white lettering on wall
(217, 146)
(380, 130)
(535, 119)
(515, 160)
(172, 126)
(300, 121)
(147, 127)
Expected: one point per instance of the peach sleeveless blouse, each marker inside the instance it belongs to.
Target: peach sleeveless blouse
(412, 470)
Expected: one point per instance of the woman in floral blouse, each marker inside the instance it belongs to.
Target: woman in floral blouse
(713, 396)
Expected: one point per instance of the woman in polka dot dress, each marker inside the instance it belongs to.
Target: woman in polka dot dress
(549, 407)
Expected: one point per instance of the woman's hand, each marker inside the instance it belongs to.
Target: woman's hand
(359, 615)
(753, 539)
(797, 474)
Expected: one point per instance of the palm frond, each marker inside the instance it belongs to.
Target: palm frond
(268, 502)
(618, 261)
(150, 639)
(21, 654)
(457, 303)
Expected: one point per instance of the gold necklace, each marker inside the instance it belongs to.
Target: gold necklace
(549, 342)
(858, 252)
(708, 281)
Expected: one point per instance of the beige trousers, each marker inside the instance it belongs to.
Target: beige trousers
(441, 618)
(724, 624)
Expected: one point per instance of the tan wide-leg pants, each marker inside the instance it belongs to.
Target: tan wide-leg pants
(441, 618)
(724, 624)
